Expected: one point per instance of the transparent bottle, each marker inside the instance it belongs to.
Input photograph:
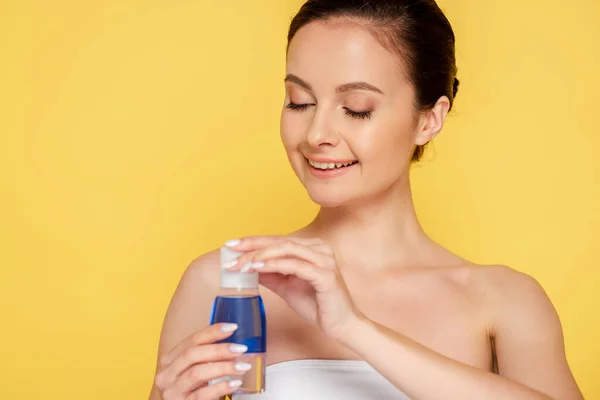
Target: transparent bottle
(239, 302)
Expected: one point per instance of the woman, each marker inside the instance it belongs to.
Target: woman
(362, 289)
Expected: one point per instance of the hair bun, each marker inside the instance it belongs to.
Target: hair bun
(455, 87)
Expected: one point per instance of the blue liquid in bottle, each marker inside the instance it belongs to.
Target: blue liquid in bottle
(239, 302)
(249, 314)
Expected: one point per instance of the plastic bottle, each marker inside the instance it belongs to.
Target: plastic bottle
(239, 302)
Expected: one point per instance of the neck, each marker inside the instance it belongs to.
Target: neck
(380, 232)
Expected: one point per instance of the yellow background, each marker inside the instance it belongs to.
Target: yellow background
(136, 135)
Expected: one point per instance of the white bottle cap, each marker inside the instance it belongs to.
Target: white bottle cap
(236, 279)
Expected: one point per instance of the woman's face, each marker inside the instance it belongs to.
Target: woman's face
(349, 125)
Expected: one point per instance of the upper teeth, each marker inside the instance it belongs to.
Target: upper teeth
(329, 165)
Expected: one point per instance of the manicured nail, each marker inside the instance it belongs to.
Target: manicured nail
(246, 267)
(242, 366)
(233, 242)
(257, 264)
(229, 327)
(230, 264)
(238, 348)
(235, 383)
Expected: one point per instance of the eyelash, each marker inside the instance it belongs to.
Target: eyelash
(353, 114)
(359, 114)
(297, 107)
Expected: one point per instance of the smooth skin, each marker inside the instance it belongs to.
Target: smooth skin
(363, 280)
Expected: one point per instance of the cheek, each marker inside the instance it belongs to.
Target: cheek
(291, 131)
(387, 145)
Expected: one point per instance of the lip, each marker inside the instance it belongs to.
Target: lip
(330, 160)
(329, 173)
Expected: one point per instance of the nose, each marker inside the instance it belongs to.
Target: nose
(320, 133)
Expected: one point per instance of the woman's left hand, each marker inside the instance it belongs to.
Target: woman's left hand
(304, 273)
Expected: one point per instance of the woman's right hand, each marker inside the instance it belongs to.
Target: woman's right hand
(186, 370)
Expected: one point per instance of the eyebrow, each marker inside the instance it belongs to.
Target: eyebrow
(347, 87)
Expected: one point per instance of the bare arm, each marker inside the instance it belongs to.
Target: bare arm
(189, 309)
(530, 351)
(529, 337)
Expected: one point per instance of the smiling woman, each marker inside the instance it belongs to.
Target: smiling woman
(136, 136)
(362, 295)
(364, 101)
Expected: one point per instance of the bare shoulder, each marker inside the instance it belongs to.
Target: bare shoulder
(507, 299)
(501, 278)
(505, 286)
(508, 293)
(203, 271)
(520, 314)
(527, 331)
(190, 306)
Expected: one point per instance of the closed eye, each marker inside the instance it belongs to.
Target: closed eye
(351, 113)
(298, 107)
(359, 114)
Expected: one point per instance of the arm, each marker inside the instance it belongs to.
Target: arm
(530, 348)
(530, 352)
(189, 309)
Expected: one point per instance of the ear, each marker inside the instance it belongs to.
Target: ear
(432, 121)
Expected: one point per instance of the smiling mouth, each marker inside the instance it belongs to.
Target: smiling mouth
(330, 166)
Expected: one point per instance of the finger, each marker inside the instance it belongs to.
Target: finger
(210, 334)
(196, 355)
(252, 243)
(215, 391)
(323, 249)
(318, 278)
(289, 249)
(203, 373)
(283, 249)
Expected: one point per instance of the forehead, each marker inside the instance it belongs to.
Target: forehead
(329, 53)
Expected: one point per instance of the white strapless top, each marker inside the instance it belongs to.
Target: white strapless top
(325, 380)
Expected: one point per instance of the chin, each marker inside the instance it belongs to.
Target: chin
(330, 197)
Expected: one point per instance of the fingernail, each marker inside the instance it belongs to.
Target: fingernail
(242, 366)
(235, 383)
(257, 264)
(230, 264)
(246, 267)
(229, 327)
(233, 242)
(238, 348)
